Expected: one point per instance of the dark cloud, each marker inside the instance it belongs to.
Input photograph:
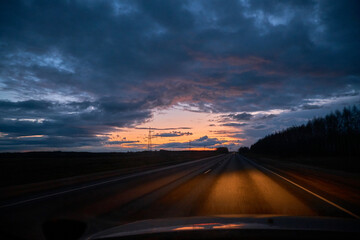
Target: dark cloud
(224, 132)
(204, 141)
(49, 143)
(267, 117)
(120, 142)
(164, 129)
(259, 126)
(228, 119)
(234, 124)
(31, 105)
(240, 116)
(172, 134)
(309, 107)
(238, 135)
(72, 121)
(84, 68)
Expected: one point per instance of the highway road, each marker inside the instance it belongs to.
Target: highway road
(222, 185)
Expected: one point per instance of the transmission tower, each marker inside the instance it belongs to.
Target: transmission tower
(149, 140)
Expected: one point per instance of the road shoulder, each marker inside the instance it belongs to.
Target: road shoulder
(339, 187)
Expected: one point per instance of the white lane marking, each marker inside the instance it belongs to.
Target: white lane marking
(207, 171)
(103, 182)
(307, 190)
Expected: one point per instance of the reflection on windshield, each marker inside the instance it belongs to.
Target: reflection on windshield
(210, 226)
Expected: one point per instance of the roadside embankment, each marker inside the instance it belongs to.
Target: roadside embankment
(336, 185)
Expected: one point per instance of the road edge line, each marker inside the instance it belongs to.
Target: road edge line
(305, 189)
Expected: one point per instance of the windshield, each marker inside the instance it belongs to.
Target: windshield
(117, 111)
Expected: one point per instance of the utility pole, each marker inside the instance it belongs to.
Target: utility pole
(189, 145)
(149, 140)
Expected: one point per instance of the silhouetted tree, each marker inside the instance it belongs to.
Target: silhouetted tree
(222, 150)
(337, 134)
(243, 150)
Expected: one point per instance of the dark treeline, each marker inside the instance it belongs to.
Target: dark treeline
(335, 135)
(222, 150)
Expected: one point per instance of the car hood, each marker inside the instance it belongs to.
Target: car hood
(263, 222)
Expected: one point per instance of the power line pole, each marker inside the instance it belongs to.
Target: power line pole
(149, 140)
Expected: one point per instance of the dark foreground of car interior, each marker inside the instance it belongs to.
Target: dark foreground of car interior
(222, 227)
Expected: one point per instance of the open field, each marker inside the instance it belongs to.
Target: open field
(32, 167)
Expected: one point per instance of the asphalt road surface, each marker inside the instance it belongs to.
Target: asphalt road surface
(222, 185)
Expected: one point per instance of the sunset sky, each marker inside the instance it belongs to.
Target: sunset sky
(96, 75)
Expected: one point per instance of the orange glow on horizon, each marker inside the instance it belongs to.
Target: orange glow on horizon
(181, 127)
